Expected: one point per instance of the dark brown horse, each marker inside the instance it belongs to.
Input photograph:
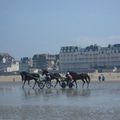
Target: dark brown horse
(83, 76)
(52, 76)
(28, 77)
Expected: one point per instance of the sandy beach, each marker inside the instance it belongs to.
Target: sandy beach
(109, 76)
(94, 77)
(10, 78)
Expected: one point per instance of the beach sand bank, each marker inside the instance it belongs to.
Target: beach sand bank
(10, 78)
(108, 76)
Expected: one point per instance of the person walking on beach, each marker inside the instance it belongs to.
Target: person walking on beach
(103, 77)
(99, 78)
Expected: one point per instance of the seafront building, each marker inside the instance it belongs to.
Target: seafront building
(14, 67)
(89, 59)
(45, 61)
(5, 62)
(8, 65)
(71, 58)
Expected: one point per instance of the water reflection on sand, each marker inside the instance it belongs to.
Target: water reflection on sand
(66, 92)
(100, 101)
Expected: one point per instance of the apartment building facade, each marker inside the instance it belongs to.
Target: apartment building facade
(91, 58)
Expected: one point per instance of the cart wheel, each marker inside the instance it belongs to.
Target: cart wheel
(41, 85)
(70, 85)
(63, 85)
(48, 85)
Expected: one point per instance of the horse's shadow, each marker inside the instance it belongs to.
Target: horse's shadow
(26, 91)
(40, 92)
(85, 92)
(76, 92)
(51, 92)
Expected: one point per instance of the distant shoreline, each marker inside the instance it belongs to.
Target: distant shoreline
(94, 77)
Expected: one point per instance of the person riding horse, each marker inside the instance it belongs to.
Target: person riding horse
(84, 77)
(68, 78)
(48, 77)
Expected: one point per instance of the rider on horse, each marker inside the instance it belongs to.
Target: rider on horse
(69, 78)
(48, 77)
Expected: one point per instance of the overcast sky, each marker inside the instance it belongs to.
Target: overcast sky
(28, 27)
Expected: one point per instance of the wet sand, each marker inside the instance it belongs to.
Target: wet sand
(99, 102)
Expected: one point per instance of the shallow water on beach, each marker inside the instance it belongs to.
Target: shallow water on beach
(100, 101)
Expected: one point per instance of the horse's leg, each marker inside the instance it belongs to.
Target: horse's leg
(29, 83)
(67, 80)
(57, 81)
(87, 79)
(87, 82)
(75, 83)
(50, 80)
(23, 83)
(83, 83)
(34, 84)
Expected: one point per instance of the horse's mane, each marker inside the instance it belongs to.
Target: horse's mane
(73, 73)
(27, 74)
(23, 73)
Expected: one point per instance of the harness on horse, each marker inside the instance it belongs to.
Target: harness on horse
(48, 77)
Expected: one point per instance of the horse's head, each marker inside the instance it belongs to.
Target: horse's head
(23, 75)
(44, 72)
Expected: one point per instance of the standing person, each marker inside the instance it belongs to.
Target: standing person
(99, 78)
(103, 77)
